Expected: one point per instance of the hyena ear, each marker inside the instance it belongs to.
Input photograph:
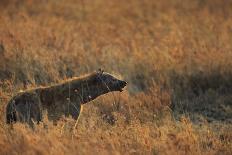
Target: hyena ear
(100, 71)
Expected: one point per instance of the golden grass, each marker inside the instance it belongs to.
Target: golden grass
(176, 56)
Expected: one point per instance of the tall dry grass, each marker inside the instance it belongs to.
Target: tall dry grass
(176, 56)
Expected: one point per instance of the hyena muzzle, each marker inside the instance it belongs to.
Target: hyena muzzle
(61, 99)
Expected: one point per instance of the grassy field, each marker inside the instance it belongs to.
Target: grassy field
(175, 54)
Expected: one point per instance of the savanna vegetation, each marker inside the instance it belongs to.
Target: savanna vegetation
(176, 56)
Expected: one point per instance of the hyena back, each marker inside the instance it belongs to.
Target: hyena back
(61, 99)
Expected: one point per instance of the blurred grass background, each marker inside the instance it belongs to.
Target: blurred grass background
(176, 56)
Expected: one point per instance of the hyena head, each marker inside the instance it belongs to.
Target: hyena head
(108, 82)
(101, 83)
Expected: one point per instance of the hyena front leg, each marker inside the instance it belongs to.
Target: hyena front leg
(73, 109)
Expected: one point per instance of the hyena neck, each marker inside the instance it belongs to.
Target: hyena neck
(84, 90)
(76, 90)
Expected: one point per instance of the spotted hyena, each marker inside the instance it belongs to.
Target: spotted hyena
(61, 99)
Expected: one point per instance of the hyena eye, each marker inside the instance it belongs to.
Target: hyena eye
(112, 81)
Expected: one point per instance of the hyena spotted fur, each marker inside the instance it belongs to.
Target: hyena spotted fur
(61, 99)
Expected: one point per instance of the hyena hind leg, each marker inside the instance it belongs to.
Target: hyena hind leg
(11, 113)
(29, 111)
